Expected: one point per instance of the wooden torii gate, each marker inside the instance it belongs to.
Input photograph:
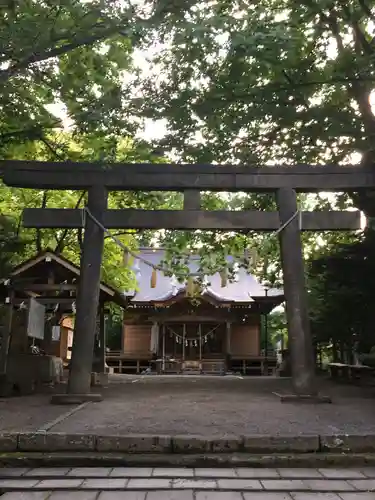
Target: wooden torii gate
(98, 179)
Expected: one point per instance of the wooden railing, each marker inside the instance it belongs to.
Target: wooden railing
(137, 362)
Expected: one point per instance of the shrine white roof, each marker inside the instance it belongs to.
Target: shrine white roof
(245, 289)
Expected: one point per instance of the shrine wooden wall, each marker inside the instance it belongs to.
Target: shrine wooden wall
(136, 339)
(245, 340)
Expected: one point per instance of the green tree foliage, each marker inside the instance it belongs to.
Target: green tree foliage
(89, 147)
(12, 245)
(276, 81)
(263, 83)
(68, 53)
(64, 63)
(273, 82)
(342, 295)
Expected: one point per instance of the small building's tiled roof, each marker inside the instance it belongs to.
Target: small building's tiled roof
(35, 268)
(244, 290)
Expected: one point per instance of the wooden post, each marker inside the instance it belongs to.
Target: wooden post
(200, 347)
(5, 339)
(183, 343)
(88, 295)
(47, 340)
(102, 340)
(300, 344)
(228, 328)
(163, 356)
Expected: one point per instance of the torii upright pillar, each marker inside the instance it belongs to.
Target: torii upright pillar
(300, 341)
(79, 383)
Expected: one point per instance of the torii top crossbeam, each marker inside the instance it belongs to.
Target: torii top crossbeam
(181, 177)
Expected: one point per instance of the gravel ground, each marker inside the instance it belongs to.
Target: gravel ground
(28, 413)
(222, 406)
(209, 406)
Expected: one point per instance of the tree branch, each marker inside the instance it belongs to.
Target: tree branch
(121, 233)
(80, 238)
(6, 74)
(366, 9)
(52, 149)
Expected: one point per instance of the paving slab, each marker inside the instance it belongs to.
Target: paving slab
(357, 496)
(368, 471)
(217, 472)
(105, 484)
(172, 472)
(342, 473)
(315, 496)
(28, 495)
(131, 472)
(122, 495)
(299, 473)
(54, 484)
(149, 484)
(283, 484)
(17, 484)
(196, 484)
(265, 495)
(328, 485)
(171, 495)
(363, 484)
(13, 471)
(48, 471)
(74, 495)
(90, 471)
(257, 473)
(239, 484)
(218, 495)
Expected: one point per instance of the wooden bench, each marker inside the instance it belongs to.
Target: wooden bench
(351, 373)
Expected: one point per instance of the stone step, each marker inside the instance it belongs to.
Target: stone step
(335, 481)
(189, 472)
(162, 444)
(188, 460)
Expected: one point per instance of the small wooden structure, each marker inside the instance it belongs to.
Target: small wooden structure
(100, 178)
(220, 332)
(51, 282)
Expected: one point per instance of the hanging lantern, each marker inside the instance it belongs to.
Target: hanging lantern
(190, 288)
(253, 257)
(153, 278)
(187, 343)
(125, 259)
(224, 277)
(174, 285)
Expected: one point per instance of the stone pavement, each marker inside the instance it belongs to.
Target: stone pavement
(187, 484)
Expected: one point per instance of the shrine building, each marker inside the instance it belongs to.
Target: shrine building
(220, 331)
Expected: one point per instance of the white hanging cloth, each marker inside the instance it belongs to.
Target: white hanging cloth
(174, 284)
(137, 270)
(154, 344)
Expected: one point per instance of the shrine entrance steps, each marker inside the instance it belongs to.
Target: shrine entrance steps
(127, 483)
